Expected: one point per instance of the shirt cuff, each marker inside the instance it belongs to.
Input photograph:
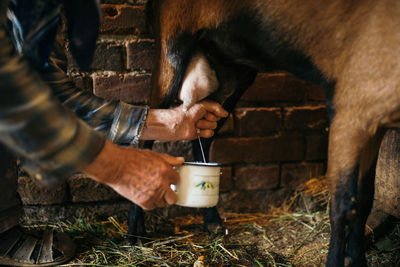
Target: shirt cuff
(128, 123)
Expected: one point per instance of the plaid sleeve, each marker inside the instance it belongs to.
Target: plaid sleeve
(121, 123)
(51, 141)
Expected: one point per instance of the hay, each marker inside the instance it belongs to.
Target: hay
(294, 234)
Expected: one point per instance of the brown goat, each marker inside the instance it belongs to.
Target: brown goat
(350, 48)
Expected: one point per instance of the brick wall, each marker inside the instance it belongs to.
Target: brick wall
(275, 139)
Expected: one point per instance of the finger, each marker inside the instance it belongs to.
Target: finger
(174, 161)
(188, 103)
(147, 198)
(159, 197)
(198, 111)
(206, 133)
(170, 197)
(173, 177)
(215, 108)
(147, 206)
(211, 117)
(160, 203)
(204, 125)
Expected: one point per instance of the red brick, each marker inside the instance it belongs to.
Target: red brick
(317, 145)
(315, 93)
(257, 121)
(71, 65)
(82, 81)
(108, 56)
(123, 19)
(308, 117)
(228, 126)
(296, 174)
(276, 87)
(33, 194)
(286, 147)
(226, 179)
(256, 177)
(135, 2)
(124, 87)
(83, 189)
(140, 54)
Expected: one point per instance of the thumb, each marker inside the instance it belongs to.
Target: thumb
(188, 97)
(174, 161)
(170, 197)
(188, 103)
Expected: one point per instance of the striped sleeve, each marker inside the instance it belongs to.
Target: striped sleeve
(120, 122)
(51, 141)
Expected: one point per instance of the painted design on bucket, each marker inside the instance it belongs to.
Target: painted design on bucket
(204, 185)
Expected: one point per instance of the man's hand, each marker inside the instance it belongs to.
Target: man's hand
(142, 176)
(202, 116)
(177, 124)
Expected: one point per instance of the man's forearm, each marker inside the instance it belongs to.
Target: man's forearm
(121, 123)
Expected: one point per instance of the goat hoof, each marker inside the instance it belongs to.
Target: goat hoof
(134, 240)
(212, 221)
(215, 228)
(347, 261)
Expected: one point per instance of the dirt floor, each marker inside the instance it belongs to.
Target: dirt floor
(295, 234)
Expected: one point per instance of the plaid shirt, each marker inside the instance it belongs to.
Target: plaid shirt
(52, 142)
(120, 122)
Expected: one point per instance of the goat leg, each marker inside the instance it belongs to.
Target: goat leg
(352, 156)
(212, 220)
(241, 78)
(136, 228)
(342, 215)
(365, 190)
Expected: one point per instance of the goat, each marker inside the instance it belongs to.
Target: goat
(204, 79)
(200, 80)
(349, 48)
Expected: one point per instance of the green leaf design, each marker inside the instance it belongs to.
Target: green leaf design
(204, 185)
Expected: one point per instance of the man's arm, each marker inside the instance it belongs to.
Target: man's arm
(52, 142)
(121, 123)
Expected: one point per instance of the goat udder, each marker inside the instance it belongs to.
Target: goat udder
(199, 82)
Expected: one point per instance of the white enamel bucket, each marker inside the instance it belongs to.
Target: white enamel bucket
(199, 184)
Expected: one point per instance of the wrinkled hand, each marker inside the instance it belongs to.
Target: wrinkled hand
(202, 116)
(141, 176)
(178, 124)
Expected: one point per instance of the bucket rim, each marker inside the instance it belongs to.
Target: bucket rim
(202, 164)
